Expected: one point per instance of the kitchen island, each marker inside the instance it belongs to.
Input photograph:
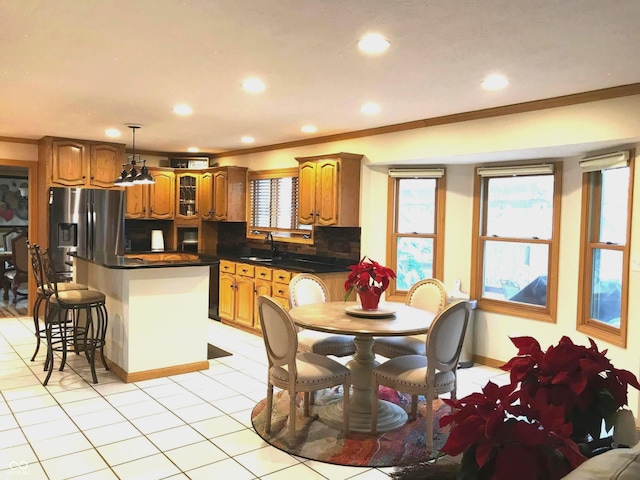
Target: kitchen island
(158, 310)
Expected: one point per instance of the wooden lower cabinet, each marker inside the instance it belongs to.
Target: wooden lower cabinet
(241, 285)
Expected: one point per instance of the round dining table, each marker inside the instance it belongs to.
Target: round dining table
(348, 318)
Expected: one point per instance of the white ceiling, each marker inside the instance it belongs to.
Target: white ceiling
(76, 67)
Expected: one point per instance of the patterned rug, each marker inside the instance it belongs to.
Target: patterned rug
(318, 441)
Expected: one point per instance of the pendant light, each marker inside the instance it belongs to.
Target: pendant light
(127, 179)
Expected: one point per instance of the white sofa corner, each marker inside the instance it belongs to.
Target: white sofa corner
(616, 464)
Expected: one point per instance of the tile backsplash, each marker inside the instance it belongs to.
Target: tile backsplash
(336, 242)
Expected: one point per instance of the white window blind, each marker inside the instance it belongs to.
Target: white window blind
(605, 162)
(514, 171)
(274, 203)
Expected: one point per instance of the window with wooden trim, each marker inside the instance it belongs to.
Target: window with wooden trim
(273, 205)
(515, 249)
(604, 261)
(416, 223)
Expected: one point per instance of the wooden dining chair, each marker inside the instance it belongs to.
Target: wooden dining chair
(20, 260)
(295, 371)
(431, 375)
(430, 295)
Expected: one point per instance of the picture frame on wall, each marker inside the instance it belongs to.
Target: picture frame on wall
(14, 201)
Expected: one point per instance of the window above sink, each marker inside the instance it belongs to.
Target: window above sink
(273, 207)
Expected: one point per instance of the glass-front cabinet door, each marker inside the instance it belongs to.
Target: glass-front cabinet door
(187, 200)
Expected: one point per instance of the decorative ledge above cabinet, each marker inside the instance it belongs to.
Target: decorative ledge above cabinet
(329, 190)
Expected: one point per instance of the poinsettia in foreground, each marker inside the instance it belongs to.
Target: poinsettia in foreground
(522, 430)
(579, 379)
(501, 439)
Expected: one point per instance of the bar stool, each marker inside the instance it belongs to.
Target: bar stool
(43, 293)
(61, 303)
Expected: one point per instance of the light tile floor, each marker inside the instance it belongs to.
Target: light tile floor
(195, 425)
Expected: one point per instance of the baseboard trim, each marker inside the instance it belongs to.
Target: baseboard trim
(489, 362)
(155, 373)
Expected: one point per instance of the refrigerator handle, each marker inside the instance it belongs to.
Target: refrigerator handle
(90, 228)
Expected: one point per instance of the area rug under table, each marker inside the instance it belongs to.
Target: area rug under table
(318, 441)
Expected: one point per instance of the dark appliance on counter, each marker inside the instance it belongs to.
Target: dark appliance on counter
(84, 220)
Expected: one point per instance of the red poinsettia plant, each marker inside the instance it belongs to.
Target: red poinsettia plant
(368, 275)
(501, 439)
(579, 379)
(526, 429)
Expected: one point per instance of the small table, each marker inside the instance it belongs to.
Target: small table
(332, 317)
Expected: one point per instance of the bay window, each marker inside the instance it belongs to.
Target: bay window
(416, 203)
(515, 250)
(604, 267)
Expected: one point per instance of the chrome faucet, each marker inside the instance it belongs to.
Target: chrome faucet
(268, 238)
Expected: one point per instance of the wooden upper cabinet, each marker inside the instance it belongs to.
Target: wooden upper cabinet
(154, 201)
(162, 195)
(105, 164)
(187, 200)
(329, 190)
(205, 196)
(135, 204)
(227, 193)
(79, 163)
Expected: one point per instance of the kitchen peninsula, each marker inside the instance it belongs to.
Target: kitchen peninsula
(158, 310)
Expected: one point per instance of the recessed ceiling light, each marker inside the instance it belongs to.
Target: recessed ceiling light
(112, 132)
(495, 82)
(309, 129)
(193, 149)
(253, 85)
(247, 139)
(370, 108)
(182, 109)
(373, 43)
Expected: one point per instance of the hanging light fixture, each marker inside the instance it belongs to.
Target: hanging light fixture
(127, 179)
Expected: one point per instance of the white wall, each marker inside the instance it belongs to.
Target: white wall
(561, 133)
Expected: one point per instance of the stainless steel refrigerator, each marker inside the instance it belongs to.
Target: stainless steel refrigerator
(84, 220)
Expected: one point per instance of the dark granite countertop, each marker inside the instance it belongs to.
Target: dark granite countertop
(294, 264)
(149, 260)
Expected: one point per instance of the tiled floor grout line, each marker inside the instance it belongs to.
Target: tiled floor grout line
(247, 357)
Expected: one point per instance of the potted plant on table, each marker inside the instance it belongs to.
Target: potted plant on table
(369, 279)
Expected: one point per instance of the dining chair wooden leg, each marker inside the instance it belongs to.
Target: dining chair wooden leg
(267, 423)
(292, 417)
(345, 407)
(429, 414)
(306, 404)
(374, 408)
(413, 413)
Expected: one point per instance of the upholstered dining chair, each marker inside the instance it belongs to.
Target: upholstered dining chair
(432, 374)
(430, 295)
(305, 288)
(19, 274)
(295, 371)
